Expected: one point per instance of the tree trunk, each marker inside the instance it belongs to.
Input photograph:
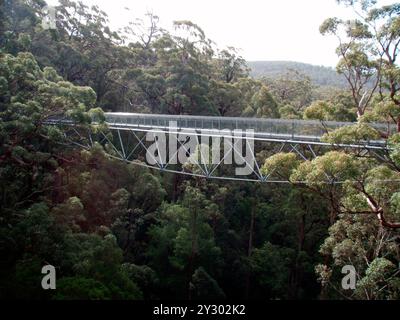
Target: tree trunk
(175, 191)
(298, 273)
(250, 249)
(193, 253)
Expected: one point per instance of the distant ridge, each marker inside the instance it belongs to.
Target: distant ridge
(319, 75)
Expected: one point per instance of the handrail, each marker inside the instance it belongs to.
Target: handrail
(291, 127)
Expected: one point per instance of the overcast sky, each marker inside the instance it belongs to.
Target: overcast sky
(262, 29)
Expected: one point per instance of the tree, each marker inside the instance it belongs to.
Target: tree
(232, 66)
(79, 288)
(30, 96)
(369, 52)
(203, 286)
(94, 257)
(271, 264)
(361, 199)
(262, 105)
(226, 98)
(187, 240)
(145, 32)
(292, 88)
(113, 231)
(359, 241)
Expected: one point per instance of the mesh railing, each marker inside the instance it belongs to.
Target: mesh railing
(284, 127)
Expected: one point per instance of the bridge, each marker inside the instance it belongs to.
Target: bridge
(127, 140)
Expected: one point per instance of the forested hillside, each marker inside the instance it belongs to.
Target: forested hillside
(118, 230)
(319, 75)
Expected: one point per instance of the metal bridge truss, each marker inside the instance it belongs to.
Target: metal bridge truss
(129, 144)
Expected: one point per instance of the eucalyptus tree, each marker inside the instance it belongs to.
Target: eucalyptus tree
(291, 88)
(368, 50)
(362, 205)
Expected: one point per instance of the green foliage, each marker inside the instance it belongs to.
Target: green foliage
(227, 98)
(280, 164)
(360, 132)
(144, 276)
(111, 229)
(262, 105)
(378, 277)
(184, 238)
(332, 166)
(293, 88)
(368, 50)
(289, 112)
(94, 257)
(329, 26)
(394, 144)
(355, 240)
(79, 288)
(233, 67)
(204, 287)
(272, 264)
(319, 110)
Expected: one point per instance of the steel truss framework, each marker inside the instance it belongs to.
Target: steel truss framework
(129, 144)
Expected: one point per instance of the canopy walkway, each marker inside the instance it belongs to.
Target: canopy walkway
(303, 137)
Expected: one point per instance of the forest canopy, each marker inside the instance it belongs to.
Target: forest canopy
(116, 230)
